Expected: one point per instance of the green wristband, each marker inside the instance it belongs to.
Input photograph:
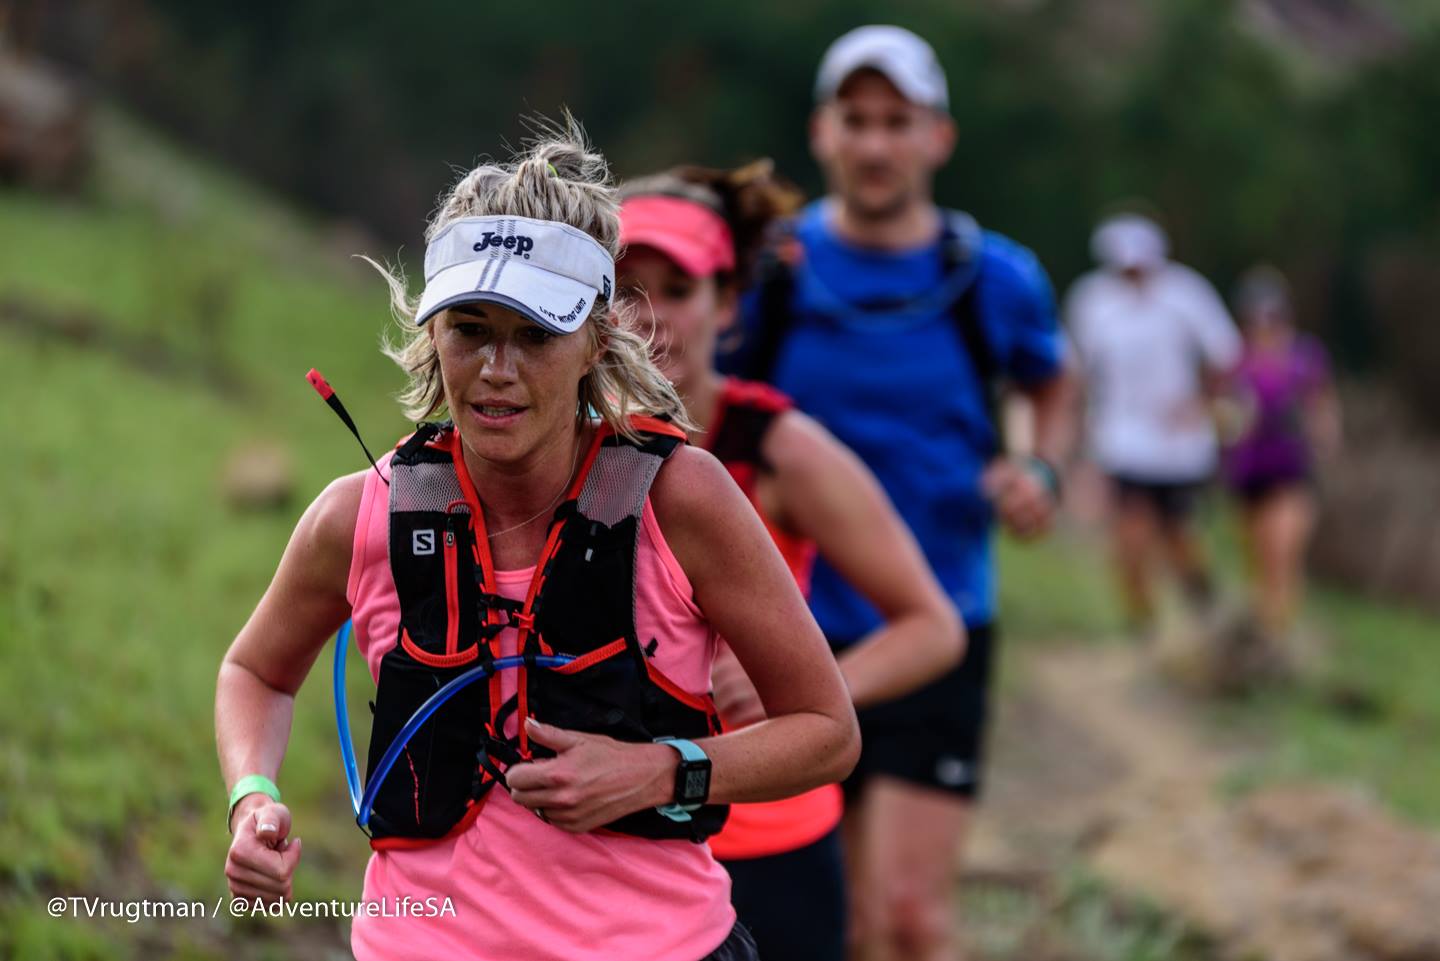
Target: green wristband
(251, 784)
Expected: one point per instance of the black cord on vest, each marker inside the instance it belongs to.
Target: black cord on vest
(323, 388)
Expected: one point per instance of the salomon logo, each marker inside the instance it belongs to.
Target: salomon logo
(519, 243)
(422, 542)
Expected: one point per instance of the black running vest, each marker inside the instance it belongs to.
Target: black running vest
(580, 603)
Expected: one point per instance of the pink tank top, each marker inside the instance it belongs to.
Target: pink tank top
(521, 889)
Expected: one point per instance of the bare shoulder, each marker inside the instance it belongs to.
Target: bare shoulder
(715, 534)
(797, 441)
(692, 487)
(328, 524)
(701, 513)
(806, 457)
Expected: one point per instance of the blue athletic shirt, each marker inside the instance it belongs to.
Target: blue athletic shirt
(899, 389)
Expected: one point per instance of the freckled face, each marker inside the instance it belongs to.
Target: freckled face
(511, 386)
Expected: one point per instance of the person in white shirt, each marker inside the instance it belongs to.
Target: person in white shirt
(1153, 338)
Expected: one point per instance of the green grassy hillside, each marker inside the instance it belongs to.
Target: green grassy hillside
(122, 576)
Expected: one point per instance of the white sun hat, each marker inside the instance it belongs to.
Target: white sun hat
(548, 271)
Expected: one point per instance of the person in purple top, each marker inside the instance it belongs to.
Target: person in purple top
(1285, 420)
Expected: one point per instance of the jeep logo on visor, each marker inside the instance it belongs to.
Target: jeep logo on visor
(517, 260)
(519, 243)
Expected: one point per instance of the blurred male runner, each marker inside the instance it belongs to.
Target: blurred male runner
(1155, 341)
(890, 321)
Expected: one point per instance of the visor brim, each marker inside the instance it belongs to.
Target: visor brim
(549, 300)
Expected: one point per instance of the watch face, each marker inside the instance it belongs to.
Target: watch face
(697, 783)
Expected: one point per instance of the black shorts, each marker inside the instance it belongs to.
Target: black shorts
(737, 946)
(794, 903)
(1172, 501)
(934, 736)
(1256, 490)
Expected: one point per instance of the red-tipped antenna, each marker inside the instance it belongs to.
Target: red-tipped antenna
(321, 385)
(323, 388)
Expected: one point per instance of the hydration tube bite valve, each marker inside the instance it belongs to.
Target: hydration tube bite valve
(323, 388)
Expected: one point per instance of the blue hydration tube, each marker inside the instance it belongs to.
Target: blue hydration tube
(364, 803)
(342, 718)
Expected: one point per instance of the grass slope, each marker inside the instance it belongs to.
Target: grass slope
(122, 578)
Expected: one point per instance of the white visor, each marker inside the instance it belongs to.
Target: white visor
(548, 271)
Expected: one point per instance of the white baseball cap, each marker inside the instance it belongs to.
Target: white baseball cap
(1129, 242)
(905, 60)
(548, 271)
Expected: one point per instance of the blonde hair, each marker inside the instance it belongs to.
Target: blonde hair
(558, 177)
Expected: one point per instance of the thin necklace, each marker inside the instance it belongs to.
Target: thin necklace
(574, 462)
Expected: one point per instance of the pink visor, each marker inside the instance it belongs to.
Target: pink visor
(694, 236)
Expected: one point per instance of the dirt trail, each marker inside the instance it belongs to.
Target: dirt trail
(1098, 761)
(1086, 733)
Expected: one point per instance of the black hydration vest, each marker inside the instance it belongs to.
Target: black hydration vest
(581, 603)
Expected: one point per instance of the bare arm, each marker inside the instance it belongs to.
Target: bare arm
(1024, 504)
(262, 670)
(749, 595)
(1055, 404)
(827, 494)
(1324, 423)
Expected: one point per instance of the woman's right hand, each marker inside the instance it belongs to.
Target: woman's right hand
(264, 668)
(262, 856)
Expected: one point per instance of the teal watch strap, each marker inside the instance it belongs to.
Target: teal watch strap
(1046, 473)
(689, 751)
(251, 784)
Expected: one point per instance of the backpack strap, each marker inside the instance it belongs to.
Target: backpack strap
(746, 412)
(617, 482)
(960, 250)
(775, 300)
(961, 241)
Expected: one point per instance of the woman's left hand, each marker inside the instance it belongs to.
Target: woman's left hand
(592, 780)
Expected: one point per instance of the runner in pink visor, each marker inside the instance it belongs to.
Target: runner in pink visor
(692, 240)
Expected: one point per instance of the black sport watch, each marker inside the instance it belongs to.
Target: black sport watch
(692, 779)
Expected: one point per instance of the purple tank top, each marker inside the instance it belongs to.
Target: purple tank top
(1274, 386)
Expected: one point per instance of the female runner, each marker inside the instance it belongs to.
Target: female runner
(1289, 424)
(560, 518)
(691, 241)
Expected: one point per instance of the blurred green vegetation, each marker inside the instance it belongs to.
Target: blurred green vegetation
(1256, 136)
